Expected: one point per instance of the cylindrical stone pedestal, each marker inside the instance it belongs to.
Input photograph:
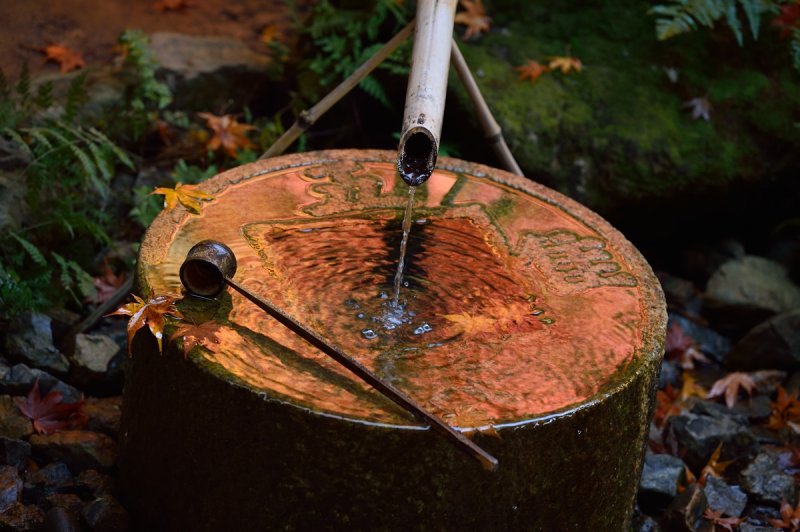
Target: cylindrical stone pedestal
(527, 322)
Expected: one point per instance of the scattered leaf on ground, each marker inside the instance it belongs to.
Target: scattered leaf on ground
(785, 410)
(150, 313)
(532, 70)
(193, 335)
(565, 64)
(471, 324)
(67, 59)
(714, 467)
(171, 5)
(268, 34)
(229, 134)
(790, 518)
(715, 516)
(689, 479)
(701, 108)
(690, 388)
(49, 414)
(729, 386)
(187, 195)
(667, 404)
(107, 284)
(682, 347)
(474, 18)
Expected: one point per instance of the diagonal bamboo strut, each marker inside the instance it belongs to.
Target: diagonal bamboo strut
(491, 129)
(309, 116)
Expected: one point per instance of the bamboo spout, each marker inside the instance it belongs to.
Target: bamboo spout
(427, 88)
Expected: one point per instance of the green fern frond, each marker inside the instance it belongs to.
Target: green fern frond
(76, 97)
(683, 16)
(44, 96)
(31, 249)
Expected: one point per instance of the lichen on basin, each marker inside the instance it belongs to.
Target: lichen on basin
(513, 306)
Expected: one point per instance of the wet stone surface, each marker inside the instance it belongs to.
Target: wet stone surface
(766, 481)
(730, 500)
(661, 476)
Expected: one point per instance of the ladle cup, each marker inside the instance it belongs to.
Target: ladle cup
(210, 265)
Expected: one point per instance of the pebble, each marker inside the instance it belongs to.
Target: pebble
(92, 356)
(773, 344)
(20, 378)
(14, 452)
(106, 514)
(22, 518)
(60, 519)
(708, 341)
(704, 426)
(685, 513)
(730, 500)
(104, 414)
(10, 487)
(661, 475)
(30, 339)
(766, 481)
(79, 449)
(13, 423)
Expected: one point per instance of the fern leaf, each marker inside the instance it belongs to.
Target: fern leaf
(63, 271)
(30, 249)
(732, 19)
(372, 87)
(17, 138)
(44, 95)
(76, 96)
(752, 10)
(110, 145)
(23, 86)
(39, 138)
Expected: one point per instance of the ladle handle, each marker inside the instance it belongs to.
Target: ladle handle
(488, 461)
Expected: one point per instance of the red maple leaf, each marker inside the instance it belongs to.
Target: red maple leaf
(715, 516)
(682, 347)
(531, 70)
(107, 284)
(150, 313)
(785, 410)
(790, 518)
(729, 387)
(193, 335)
(49, 414)
(229, 134)
(67, 59)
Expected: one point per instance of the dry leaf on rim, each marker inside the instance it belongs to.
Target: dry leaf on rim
(49, 414)
(531, 70)
(187, 195)
(151, 313)
(194, 335)
(66, 58)
(729, 386)
(474, 18)
(229, 134)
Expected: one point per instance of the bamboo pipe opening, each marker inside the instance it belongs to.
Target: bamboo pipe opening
(418, 152)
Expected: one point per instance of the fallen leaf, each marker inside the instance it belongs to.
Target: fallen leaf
(187, 195)
(714, 467)
(474, 18)
(790, 518)
(471, 324)
(565, 64)
(690, 388)
(171, 5)
(667, 404)
(532, 70)
(67, 59)
(268, 34)
(682, 347)
(150, 313)
(785, 410)
(701, 108)
(194, 335)
(729, 386)
(689, 479)
(229, 134)
(107, 284)
(49, 414)
(715, 516)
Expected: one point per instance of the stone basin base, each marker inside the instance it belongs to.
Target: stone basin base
(256, 433)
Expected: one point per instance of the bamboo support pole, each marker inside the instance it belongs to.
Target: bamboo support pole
(491, 129)
(309, 116)
(427, 89)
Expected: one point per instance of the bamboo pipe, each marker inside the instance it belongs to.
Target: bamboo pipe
(427, 88)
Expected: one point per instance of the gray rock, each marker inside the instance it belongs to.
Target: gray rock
(21, 518)
(30, 340)
(661, 475)
(106, 514)
(704, 426)
(56, 476)
(766, 481)
(774, 344)
(95, 483)
(744, 292)
(13, 206)
(20, 378)
(59, 519)
(104, 414)
(206, 71)
(670, 374)
(709, 342)
(10, 487)
(14, 452)
(93, 353)
(756, 408)
(79, 449)
(685, 513)
(644, 523)
(730, 500)
(678, 292)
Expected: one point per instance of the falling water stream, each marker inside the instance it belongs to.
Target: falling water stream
(398, 277)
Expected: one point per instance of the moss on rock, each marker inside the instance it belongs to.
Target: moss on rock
(619, 130)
